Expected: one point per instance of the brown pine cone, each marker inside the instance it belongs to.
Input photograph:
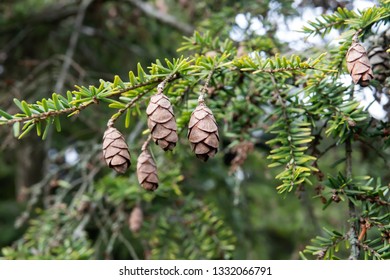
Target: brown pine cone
(203, 132)
(147, 171)
(115, 150)
(136, 218)
(380, 61)
(161, 122)
(358, 65)
(241, 152)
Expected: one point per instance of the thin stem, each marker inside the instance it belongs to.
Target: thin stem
(206, 85)
(146, 143)
(113, 119)
(327, 149)
(128, 245)
(322, 254)
(378, 153)
(286, 69)
(356, 35)
(353, 233)
(362, 233)
(365, 247)
(160, 89)
(319, 30)
(307, 203)
(170, 77)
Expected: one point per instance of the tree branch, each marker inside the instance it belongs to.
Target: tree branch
(167, 19)
(82, 106)
(49, 114)
(72, 45)
(352, 234)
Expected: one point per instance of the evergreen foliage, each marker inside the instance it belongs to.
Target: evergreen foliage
(295, 105)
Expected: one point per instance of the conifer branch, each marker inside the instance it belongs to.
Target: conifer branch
(353, 232)
(46, 115)
(77, 109)
(289, 69)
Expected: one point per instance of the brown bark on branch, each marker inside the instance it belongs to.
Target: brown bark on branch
(353, 232)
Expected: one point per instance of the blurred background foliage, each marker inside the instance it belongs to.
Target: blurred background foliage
(59, 201)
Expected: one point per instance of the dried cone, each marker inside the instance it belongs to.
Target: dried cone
(161, 121)
(380, 61)
(358, 65)
(115, 150)
(240, 151)
(135, 219)
(147, 171)
(203, 132)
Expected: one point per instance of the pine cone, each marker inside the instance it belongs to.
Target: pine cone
(241, 151)
(147, 171)
(136, 218)
(203, 132)
(115, 150)
(380, 61)
(161, 122)
(358, 65)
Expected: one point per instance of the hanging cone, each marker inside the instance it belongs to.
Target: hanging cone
(380, 61)
(240, 152)
(147, 171)
(161, 122)
(136, 218)
(115, 150)
(203, 132)
(358, 65)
